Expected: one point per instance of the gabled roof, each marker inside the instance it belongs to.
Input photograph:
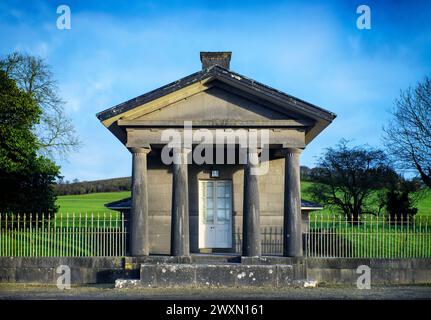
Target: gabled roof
(225, 75)
(126, 204)
(287, 103)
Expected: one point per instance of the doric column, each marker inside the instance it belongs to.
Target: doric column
(251, 213)
(292, 233)
(139, 214)
(180, 244)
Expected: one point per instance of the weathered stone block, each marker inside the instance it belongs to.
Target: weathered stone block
(216, 275)
(32, 275)
(164, 259)
(383, 276)
(257, 275)
(422, 276)
(80, 262)
(106, 262)
(10, 262)
(325, 275)
(348, 276)
(7, 274)
(390, 263)
(148, 275)
(127, 283)
(337, 263)
(168, 275)
(421, 263)
(286, 275)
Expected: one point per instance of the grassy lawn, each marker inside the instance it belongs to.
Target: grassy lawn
(93, 202)
(83, 227)
(424, 205)
(63, 242)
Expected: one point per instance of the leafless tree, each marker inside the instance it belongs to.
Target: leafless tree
(55, 131)
(408, 135)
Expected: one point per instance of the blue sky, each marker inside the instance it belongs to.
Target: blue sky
(117, 50)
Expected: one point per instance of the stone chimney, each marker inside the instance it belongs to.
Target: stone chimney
(221, 59)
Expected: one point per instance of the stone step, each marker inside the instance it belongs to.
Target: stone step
(220, 275)
(217, 258)
(198, 258)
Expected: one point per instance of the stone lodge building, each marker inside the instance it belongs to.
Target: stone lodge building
(191, 207)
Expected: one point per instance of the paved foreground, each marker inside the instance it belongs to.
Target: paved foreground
(98, 292)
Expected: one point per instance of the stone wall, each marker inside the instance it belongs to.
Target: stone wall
(88, 270)
(383, 271)
(84, 270)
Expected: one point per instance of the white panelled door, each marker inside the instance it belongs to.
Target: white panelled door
(215, 214)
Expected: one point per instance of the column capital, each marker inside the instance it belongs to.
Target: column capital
(145, 150)
(290, 151)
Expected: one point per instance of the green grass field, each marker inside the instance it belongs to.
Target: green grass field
(424, 205)
(94, 202)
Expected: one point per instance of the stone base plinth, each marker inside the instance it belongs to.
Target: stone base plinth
(219, 275)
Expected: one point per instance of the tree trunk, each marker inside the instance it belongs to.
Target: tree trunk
(426, 178)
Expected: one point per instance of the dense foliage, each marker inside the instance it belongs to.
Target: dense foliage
(25, 178)
(399, 197)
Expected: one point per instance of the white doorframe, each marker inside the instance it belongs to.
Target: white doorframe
(215, 214)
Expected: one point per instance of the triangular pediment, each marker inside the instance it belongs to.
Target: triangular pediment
(214, 96)
(214, 104)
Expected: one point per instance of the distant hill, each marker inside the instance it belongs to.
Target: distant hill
(86, 187)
